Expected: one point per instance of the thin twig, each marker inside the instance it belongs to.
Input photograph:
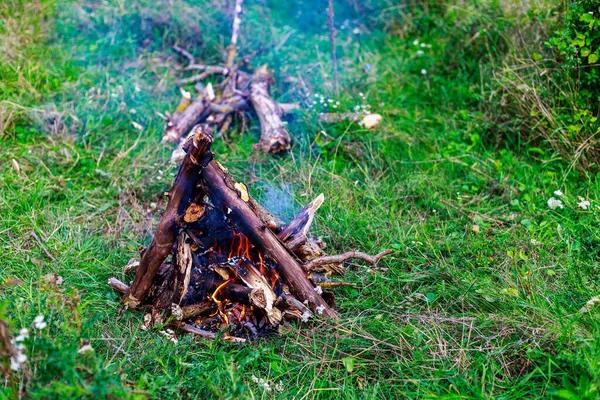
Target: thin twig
(340, 258)
(206, 334)
(208, 71)
(184, 53)
(332, 34)
(37, 239)
(201, 67)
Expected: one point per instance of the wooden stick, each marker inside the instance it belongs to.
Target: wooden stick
(301, 222)
(184, 53)
(274, 136)
(37, 239)
(181, 195)
(194, 113)
(206, 334)
(118, 285)
(232, 48)
(340, 258)
(222, 190)
(332, 34)
(208, 71)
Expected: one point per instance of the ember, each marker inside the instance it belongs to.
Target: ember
(234, 267)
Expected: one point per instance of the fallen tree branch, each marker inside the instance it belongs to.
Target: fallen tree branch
(340, 258)
(274, 136)
(179, 127)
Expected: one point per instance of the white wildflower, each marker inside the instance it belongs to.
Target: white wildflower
(320, 309)
(133, 111)
(583, 203)
(420, 52)
(24, 332)
(17, 360)
(554, 203)
(262, 383)
(415, 42)
(279, 387)
(85, 349)
(319, 289)
(137, 126)
(423, 71)
(39, 323)
(423, 45)
(19, 338)
(306, 315)
(558, 193)
(170, 334)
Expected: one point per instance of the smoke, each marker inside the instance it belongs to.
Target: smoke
(279, 200)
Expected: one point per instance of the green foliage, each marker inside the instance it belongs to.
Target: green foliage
(578, 43)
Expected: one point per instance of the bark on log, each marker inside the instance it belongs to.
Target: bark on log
(222, 191)
(179, 277)
(178, 128)
(181, 195)
(274, 136)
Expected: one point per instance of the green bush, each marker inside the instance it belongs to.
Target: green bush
(578, 45)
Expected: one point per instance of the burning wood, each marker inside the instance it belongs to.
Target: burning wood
(238, 92)
(233, 265)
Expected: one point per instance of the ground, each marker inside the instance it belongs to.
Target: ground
(480, 299)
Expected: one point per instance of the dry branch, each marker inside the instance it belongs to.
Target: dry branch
(274, 135)
(340, 258)
(178, 127)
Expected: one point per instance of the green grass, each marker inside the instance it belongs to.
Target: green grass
(480, 299)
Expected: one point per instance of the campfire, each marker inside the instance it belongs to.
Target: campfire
(234, 267)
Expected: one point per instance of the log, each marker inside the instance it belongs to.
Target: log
(274, 135)
(301, 222)
(177, 128)
(221, 188)
(180, 196)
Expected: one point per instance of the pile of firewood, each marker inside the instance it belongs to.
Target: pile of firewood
(234, 266)
(216, 107)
